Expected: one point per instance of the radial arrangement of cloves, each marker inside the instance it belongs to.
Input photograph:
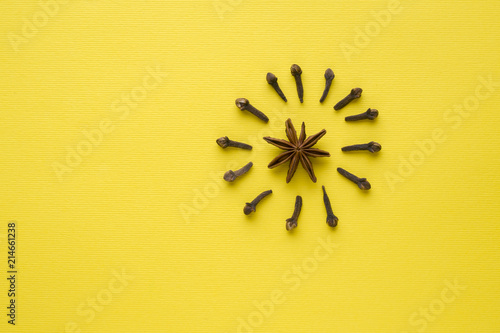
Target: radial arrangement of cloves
(299, 149)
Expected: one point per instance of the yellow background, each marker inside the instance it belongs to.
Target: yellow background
(149, 200)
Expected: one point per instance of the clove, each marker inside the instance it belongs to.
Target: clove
(331, 219)
(230, 176)
(273, 81)
(362, 183)
(355, 93)
(225, 142)
(329, 76)
(251, 206)
(244, 104)
(296, 72)
(371, 146)
(291, 223)
(369, 114)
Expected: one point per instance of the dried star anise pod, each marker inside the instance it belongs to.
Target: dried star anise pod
(297, 149)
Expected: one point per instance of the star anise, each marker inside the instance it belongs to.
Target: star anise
(297, 149)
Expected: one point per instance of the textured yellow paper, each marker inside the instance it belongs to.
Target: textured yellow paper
(109, 113)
